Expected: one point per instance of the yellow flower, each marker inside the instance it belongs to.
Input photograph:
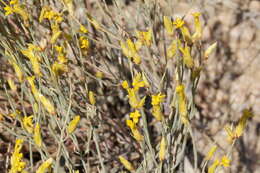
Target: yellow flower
(8, 10)
(83, 29)
(17, 165)
(137, 135)
(55, 35)
(125, 49)
(198, 30)
(47, 104)
(145, 37)
(15, 114)
(135, 116)
(157, 99)
(99, 74)
(130, 124)
(73, 124)
(168, 25)
(59, 68)
(187, 59)
(182, 105)
(126, 163)
(162, 151)
(11, 84)
(138, 82)
(21, 11)
(17, 70)
(27, 123)
(134, 100)
(125, 84)
(178, 22)
(37, 135)
(157, 113)
(91, 97)
(213, 167)
(172, 49)
(45, 166)
(146, 83)
(84, 43)
(13, 2)
(209, 50)
(225, 161)
(211, 152)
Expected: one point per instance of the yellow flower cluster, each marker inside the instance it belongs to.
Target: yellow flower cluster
(224, 162)
(31, 54)
(136, 103)
(182, 105)
(17, 165)
(156, 103)
(126, 163)
(15, 7)
(39, 97)
(133, 97)
(73, 124)
(234, 134)
(60, 65)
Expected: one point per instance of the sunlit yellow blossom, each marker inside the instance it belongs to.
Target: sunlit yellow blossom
(187, 59)
(182, 105)
(135, 116)
(84, 43)
(157, 112)
(209, 50)
(8, 10)
(13, 2)
(145, 37)
(157, 99)
(11, 84)
(213, 167)
(130, 124)
(137, 135)
(55, 35)
(230, 133)
(125, 84)
(242, 122)
(125, 49)
(179, 23)
(21, 11)
(146, 83)
(168, 25)
(99, 74)
(28, 123)
(47, 104)
(45, 166)
(134, 100)
(172, 49)
(198, 29)
(211, 152)
(17, 70)
(91, 97)
(15, 114)
(126, 163)
(17, 165)
(83, 29)
(138, 82)
(59, 68)
(36, 66)
(73, 124)
(225, 161)
(162, 151)
(37, 135)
